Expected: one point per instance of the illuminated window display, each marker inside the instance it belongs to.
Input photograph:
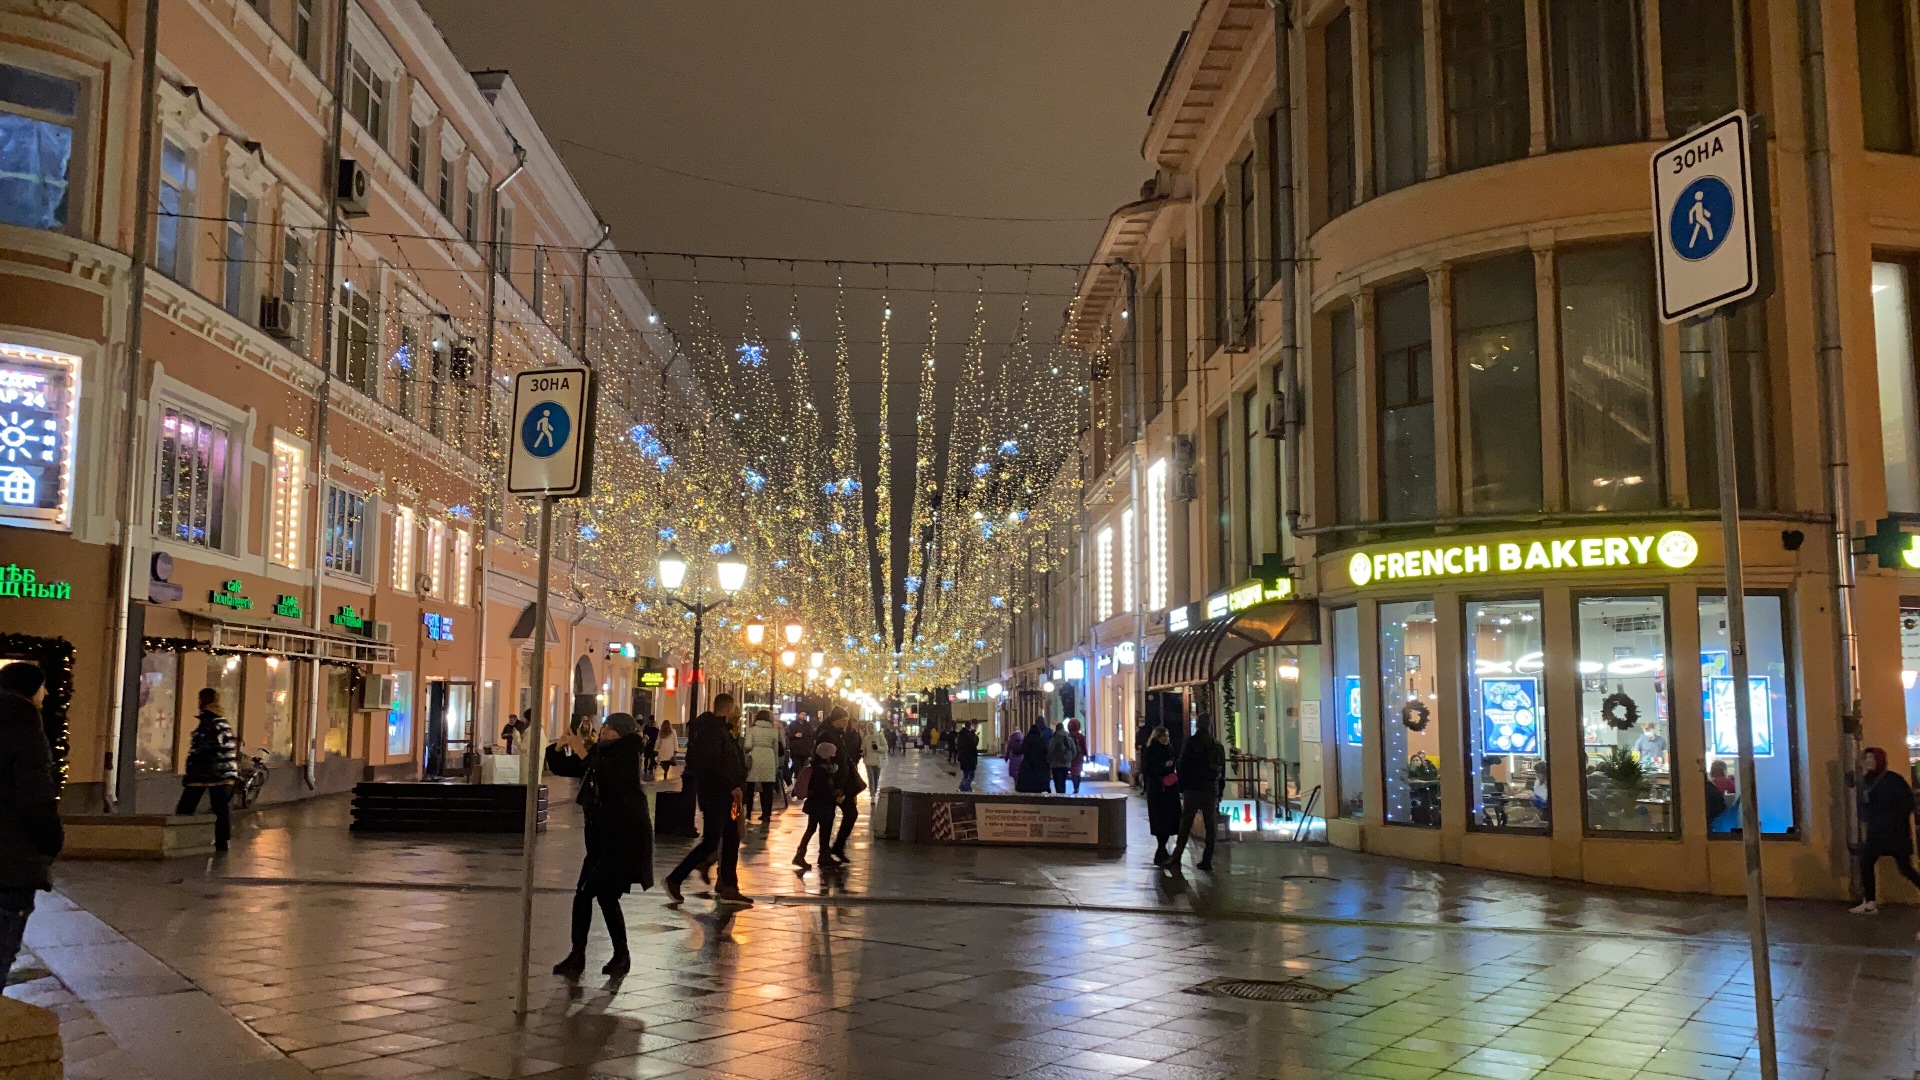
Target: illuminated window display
(1910, 675)
(400, 717)
(1506, 711)
(1409, 738)
(1347, 721)
(1774, 744)
(1625, 714)
(38, 403)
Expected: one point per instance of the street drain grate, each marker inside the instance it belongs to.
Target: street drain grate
(1285, 990)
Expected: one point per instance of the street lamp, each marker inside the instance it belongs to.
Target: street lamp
(794, 630)
(730, 571)
(756, 632)
(757, 635)
(818, 660)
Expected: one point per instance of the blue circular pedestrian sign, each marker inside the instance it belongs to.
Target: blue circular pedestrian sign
(1701, 219)
(545, 429)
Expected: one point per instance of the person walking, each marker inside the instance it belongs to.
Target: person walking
(1035, 772)
(818, 788)
(619, 833)
(1203, 779)
(850, 746)
(800, 740)
(1079, 753)
(717, 769)
(30, 831)
(649, 747)
(212, 767)
(667, 749)
(763, 746)
(967, 745)
(1886, 811)
(1060, 755)
(1015, 753)
(1161, 782)
(875, 755)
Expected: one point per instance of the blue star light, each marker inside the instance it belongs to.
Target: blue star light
(817, 536)
(668, 533)
(724, 547)
(837, 528)
(754, 480)
(982, 469)
(588, 532)
(1010, 446)
(997, 601)
(913, 584)
(751, 354)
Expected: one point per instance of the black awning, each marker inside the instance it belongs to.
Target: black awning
(523, 627)
(1199, 654)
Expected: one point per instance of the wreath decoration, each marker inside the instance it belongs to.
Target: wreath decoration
(1415, 715)
(1619, 711)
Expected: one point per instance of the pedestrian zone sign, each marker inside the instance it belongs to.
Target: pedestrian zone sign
(551, 453)
(1705, 219)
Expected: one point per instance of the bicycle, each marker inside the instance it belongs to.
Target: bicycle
(252, 778)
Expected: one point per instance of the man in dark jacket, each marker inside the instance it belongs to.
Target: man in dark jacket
(717, 769)
(1203, 779)
(1886, 814)
(967, 747)
(212, 767)
(852, 747)
(619, 835)
(30, 833)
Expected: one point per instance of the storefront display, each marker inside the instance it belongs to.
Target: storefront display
(1625, 716)
(1348, 721)
(1910, 675)
(283, 703)
(1775, 742)
(1409, 738)
(159, 712)
(400, 716)
(1506, 662)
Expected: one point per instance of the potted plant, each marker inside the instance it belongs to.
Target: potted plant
(1626, 784)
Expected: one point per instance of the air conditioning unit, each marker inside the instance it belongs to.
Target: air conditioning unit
(382, 631)
(1277, 418)
(276, 317)
(376, 693)
(352, 189)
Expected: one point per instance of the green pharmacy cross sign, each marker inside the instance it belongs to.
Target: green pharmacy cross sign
(228, 596)
(23, 583)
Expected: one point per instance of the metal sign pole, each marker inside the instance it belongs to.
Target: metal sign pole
(1742, 694)
(535, 744)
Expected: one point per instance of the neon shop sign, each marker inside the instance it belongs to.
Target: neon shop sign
(39, 403)
(1673, 550)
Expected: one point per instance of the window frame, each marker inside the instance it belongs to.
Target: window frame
(1790, 694)
(232, 510)
(1558, 95)
(1389, 713)
(1454, 58)
(187, 194)
(238, 270)
(1218, 237)
(332, 553)
(1675, 812)
(1222, 434)
(1383, 406)
(1249, 232)
(1383, 51)
(82, 127)
(1338, 116)
(1658, 465)
(1468, 723)
(286, 502)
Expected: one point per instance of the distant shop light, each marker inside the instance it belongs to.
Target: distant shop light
(1075, 668)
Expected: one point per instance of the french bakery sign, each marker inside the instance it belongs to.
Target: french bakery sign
(1675, 549)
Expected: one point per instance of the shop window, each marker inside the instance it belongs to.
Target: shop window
(336, 713)
(159, 716)
(283, 709)
(1625, 714)
(1770, 697)
(1910, 674)
(1506, 715)
(1610, 368)
(1346, 416)
(191, 506)
(1485, 54)
(1337, 41)
(287, 488)
(1752, 396)
(354, 354)
(225, 677)
(39, 120)
(1699, 63)
(237, 267)
(1399, 52)
(400, 717)
(1405, 342)
(1893, 352)
(1593, 60)
(171, 234)
(344, 532)
(1348, 720)
(1409, 732)
(1496, 352)
(1886, 74)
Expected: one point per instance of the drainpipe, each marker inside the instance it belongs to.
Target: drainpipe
(486, 462)
(1289, 257)
(119, 778)
(329, 185)
(586, 281)
(1831, 365)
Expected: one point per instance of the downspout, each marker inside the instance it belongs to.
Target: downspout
(586, 282)
(1292, 413)
(330, 185)
(1830, 364)
(486, 453)
(119, 764)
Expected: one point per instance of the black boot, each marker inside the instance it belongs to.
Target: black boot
(572, 966)
(619, 965)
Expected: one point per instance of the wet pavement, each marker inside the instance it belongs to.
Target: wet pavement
(312, 952)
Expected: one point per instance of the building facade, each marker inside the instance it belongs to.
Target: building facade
(1440, 542)
(361, 601)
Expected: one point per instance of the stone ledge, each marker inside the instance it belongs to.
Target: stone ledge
(29, 1042)
(137, 836)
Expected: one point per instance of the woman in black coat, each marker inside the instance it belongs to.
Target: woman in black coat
(1886, 809)
(619, 836)
(1035, 776)
(1160, 777)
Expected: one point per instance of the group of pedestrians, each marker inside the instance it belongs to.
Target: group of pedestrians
(1047, 757)
(828, 783)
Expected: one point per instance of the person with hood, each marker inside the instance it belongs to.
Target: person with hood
(1035, 770)
(1060, 755)
(619, 834)
(967, 750)
(650, 746)
(820, 793)
(212, 766)
(1015, 753)
(875, 755)
(851, 745)
(1079, 753)
(764, 748)
(1203, 779)
(717, 769)
(1161, 782)
(1886, 812)
(30, 831)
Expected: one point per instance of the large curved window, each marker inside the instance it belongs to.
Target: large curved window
(1496, 353)
(1488, 117)
(1610, 370)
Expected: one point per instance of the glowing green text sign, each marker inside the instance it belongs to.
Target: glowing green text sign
(1675, 550)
